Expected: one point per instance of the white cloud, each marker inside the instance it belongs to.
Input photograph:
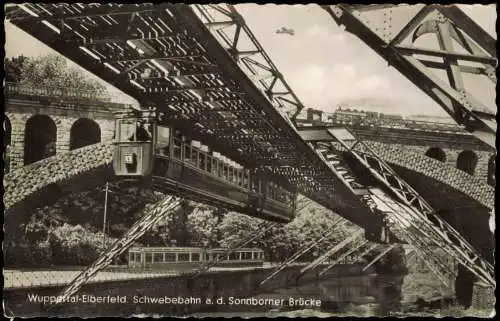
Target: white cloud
(372, 83)
(343, 71)
(318, 31)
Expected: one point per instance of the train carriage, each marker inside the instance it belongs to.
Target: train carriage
(189, 258)
(185, 167)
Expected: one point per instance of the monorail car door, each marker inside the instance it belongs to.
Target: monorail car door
(135, 140)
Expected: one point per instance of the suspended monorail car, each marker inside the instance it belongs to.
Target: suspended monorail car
(177, 165)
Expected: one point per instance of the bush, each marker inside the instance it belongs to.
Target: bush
(74, 245)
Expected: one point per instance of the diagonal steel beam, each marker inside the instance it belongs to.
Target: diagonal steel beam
(378, 257)
(464, 22)
(446, 54)
(437, 227)
(330, 252)
(343, 256)
(296, 256)
(411, 25)
(229, 11)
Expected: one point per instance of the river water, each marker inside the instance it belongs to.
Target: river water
(367, 295)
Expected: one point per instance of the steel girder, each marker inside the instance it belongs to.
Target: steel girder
(355, 238)
(464, 49)
(166, 57)
(442, 233)
(228, 26)
(409, 218)
(352, 250)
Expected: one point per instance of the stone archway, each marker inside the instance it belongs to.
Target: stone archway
(84, 132)
(436, 153)
(467, 161)
(40, 138)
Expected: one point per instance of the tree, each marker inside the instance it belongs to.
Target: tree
(14, 67)
(50, 71)
(205, 225)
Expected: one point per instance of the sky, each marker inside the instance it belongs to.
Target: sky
(323, 64)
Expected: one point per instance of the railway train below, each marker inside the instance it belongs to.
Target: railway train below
(179, 165)
(187, 258)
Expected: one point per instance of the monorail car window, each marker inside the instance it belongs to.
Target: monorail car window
(240, 177)
(149, 258)
(209, 163)
(177, 148)
(221, 169)
(195, 257)
(143, 132)
(163, 140)
(187, 152)
(215, 167)
(203, 160)
(233, 256)
(236, 174)
(194, 156)
(230, 174)
(126, 129)
(169, 257)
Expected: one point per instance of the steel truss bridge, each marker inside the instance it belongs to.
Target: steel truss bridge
(201, 67)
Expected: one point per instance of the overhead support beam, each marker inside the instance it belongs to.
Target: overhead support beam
(446, 54)
(467, 69)
(315, 134)
(258, 71)
(92, 42)
(448, 22)
(102, 10)
(159, 56)
(464, 22)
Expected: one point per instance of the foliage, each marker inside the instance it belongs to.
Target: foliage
(50, 71)
(49, 241)
(204, 222)
(75, 245)
(77, 219)
(13, 68)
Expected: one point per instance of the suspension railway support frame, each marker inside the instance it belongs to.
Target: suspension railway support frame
(373, 24)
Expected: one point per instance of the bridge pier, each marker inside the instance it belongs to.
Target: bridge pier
(472, 294)
(464, 285)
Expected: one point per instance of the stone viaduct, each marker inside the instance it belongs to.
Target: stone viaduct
(38, 124)
(45, 133)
